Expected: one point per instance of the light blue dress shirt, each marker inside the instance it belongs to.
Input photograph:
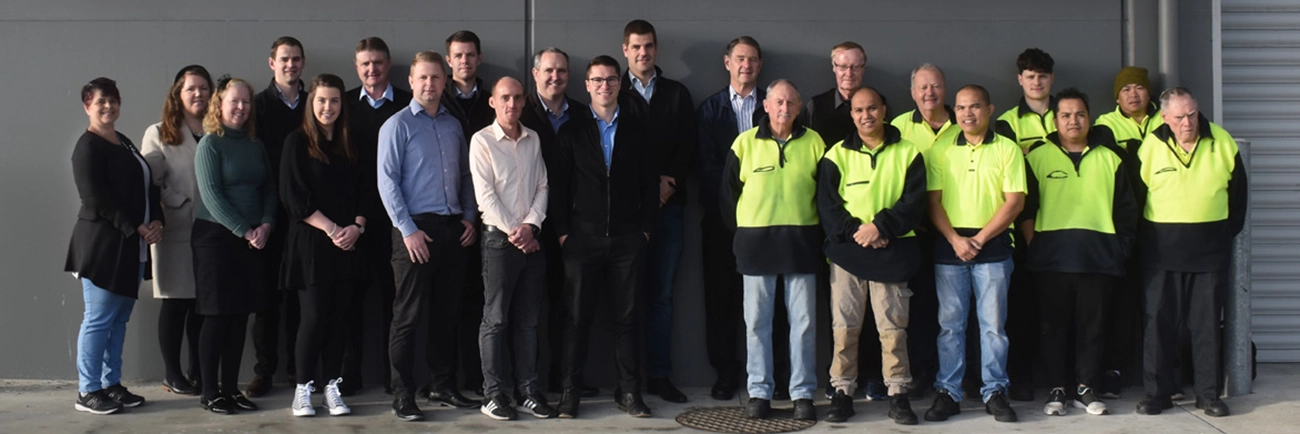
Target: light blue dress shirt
(423, 167)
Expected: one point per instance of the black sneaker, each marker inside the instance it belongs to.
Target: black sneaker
(1000, 408)
(841, 407)
(97, 402)
(758, 408)
(118, 392)
(900, 410)
(498, 408)
(876, 391)
(1088, 401)
(536, 405)
(404, 408)
(804, 409)
(1056, 402)
(569, 401)
(1151, 405)
(942, 408)
(1213, 407)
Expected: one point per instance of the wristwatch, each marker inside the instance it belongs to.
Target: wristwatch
(360, 229)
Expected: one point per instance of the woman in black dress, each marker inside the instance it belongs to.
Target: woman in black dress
(320, 186)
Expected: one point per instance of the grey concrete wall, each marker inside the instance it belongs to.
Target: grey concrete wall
(51, 51)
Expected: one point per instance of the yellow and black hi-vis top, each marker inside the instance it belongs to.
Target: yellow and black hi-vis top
(913, 127)
(974, 179)
(1024, 126)
(886, 187)
(1193, 203)
(1082, 206)
(769, 195)
(1128, 132)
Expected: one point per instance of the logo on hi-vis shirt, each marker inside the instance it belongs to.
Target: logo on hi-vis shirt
(1166, 170)
(857, 183)
(1058, 174)
(764, 169)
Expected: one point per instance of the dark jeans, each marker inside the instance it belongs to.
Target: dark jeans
(923, 326)
(662, 257)
(322, 331)
(427, 291)
(513, 285)
(1072, 307)
(723, 295)
(378, 252)
(595, 266)
(1174, 301)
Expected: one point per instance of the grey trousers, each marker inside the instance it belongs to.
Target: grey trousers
(513, 290)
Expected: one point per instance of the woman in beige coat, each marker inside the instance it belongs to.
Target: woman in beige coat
(169, 147)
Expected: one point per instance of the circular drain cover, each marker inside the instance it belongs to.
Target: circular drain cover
(733, 420)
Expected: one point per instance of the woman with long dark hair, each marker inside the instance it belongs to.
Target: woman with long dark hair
(169, 148)
(321, 187)
(118, 219)
(231, 226)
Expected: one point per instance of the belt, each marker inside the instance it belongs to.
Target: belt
(490, 228)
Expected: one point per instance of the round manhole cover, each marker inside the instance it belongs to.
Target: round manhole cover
(733, 420)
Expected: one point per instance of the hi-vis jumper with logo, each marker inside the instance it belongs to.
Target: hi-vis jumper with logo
(974, 180)
(1024, 126)
(913, 127)
(1084, 213)
(1195, 202)
(769, 195)
(1128, 132)
(886, 187)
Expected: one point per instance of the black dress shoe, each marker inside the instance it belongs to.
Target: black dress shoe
(666, 390)
(219, 405)
(569, 401)
(723, 392)
(244, 403)
(804, 409)
(758, 408)
(1154, 404)
(841, 407)
(182, 387)
(632, 404)
(405, 409)
(258, 387)
(449, 398)
(942, 408)
(1213, 407)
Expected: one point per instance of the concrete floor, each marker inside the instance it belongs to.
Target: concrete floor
(28, 406)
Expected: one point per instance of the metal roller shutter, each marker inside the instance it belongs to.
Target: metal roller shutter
(1261, 104)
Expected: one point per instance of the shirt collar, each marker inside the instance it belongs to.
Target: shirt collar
(472, 93)
(500, 133)
(854, 141)
(765, 129)
(282, 97)
(1024, 109)
(918, 118)
(732, 90)
(988, 138)
(416, 108)
(564, 109)
(611, 122)
(388, 95)
(636, 82)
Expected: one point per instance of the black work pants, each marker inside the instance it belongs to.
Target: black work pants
(1176, 301)
(609, 267)
(1072, 308)
(723, 305)
(429, 291)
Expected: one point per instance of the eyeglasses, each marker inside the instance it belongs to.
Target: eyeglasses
(843, 68)
(612, 80)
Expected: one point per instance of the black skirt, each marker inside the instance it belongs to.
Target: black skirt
(230, 278)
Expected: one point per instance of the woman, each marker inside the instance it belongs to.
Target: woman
(320, 185)
(119, 217)
(169, 148)
(231, 225)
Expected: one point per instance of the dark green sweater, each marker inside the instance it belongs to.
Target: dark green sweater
(235, 182)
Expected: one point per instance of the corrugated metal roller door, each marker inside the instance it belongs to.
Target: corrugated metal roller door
(1261, 98)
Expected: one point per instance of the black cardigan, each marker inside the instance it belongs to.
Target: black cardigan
(105, 247)
(670, 115)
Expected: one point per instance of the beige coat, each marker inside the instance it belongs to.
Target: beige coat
(173, 172)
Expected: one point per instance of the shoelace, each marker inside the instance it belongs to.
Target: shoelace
(332, 394)
(304, 394)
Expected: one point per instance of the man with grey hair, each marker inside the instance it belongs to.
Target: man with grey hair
(1193, 193)
(768, 198)
(828, 112)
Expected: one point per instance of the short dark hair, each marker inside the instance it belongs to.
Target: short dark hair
(1069, 93)
(1033, 59)
(879, 96)
(374, 43)
(603, 60)
(104, 85)
(537, 58)
(746, 40)
(465, 36)
(639, 27)
(290, 41)
(980, 90)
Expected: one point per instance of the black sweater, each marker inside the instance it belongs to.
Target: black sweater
(670, 115)
(474, 113)
(363, 130)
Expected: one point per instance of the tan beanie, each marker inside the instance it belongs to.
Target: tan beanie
(1130, 75)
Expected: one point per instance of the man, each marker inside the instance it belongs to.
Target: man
(924, 126)
(371, 103)
(671, 117)
(976, 183)
(870, 198)
(1195, 192)
(722, 117)
(545, 111)
(510, 185)
(603, 206)
(470, 105)
(1079, 220)
(1027, 123)
(768, 199)
(828, 112)
(1135, 114)
(279, 111)
(425, 184)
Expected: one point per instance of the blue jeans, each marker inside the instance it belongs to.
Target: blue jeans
(663, 255)
(954, 285)
(103, 331)
(800, 305)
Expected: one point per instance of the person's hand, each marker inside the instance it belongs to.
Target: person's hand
(470, 234)
(880, 243)
(263, 233)
(417, 247)
(531, 247)
(151, 232)
(521, 236)
(254, 237)
(562, 238)
(647, 236)
(346, 237)
(966, 248)
(867, 234)
(667, 186)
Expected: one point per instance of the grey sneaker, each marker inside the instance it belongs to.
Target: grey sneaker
(334, 398)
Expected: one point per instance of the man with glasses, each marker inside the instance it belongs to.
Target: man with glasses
(828, 113)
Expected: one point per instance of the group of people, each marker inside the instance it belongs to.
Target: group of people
(479, 208)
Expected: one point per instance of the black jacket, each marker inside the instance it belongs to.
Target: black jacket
(717, 129)
(535, 118)
(670, 114)
(833, 122)
(587, 198)
(474, 113)
(105, 247)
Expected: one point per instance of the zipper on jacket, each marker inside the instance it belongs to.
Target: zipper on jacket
(608, 208)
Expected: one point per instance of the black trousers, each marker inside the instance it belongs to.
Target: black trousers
(1022, 320)
(723, 300)
(221, 348)
(378, 253)
(430, 291)
(923, 326)
(1072, 308)
(1124, 323)
(279, 312)
(322, 333)
(470, 364)
(1176, 301)
(611, 267)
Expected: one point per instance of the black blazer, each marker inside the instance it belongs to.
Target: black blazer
(105, 247)
(535, 117)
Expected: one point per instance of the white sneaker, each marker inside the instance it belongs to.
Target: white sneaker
(1055, 405)
(334, 399)
(302, 400)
